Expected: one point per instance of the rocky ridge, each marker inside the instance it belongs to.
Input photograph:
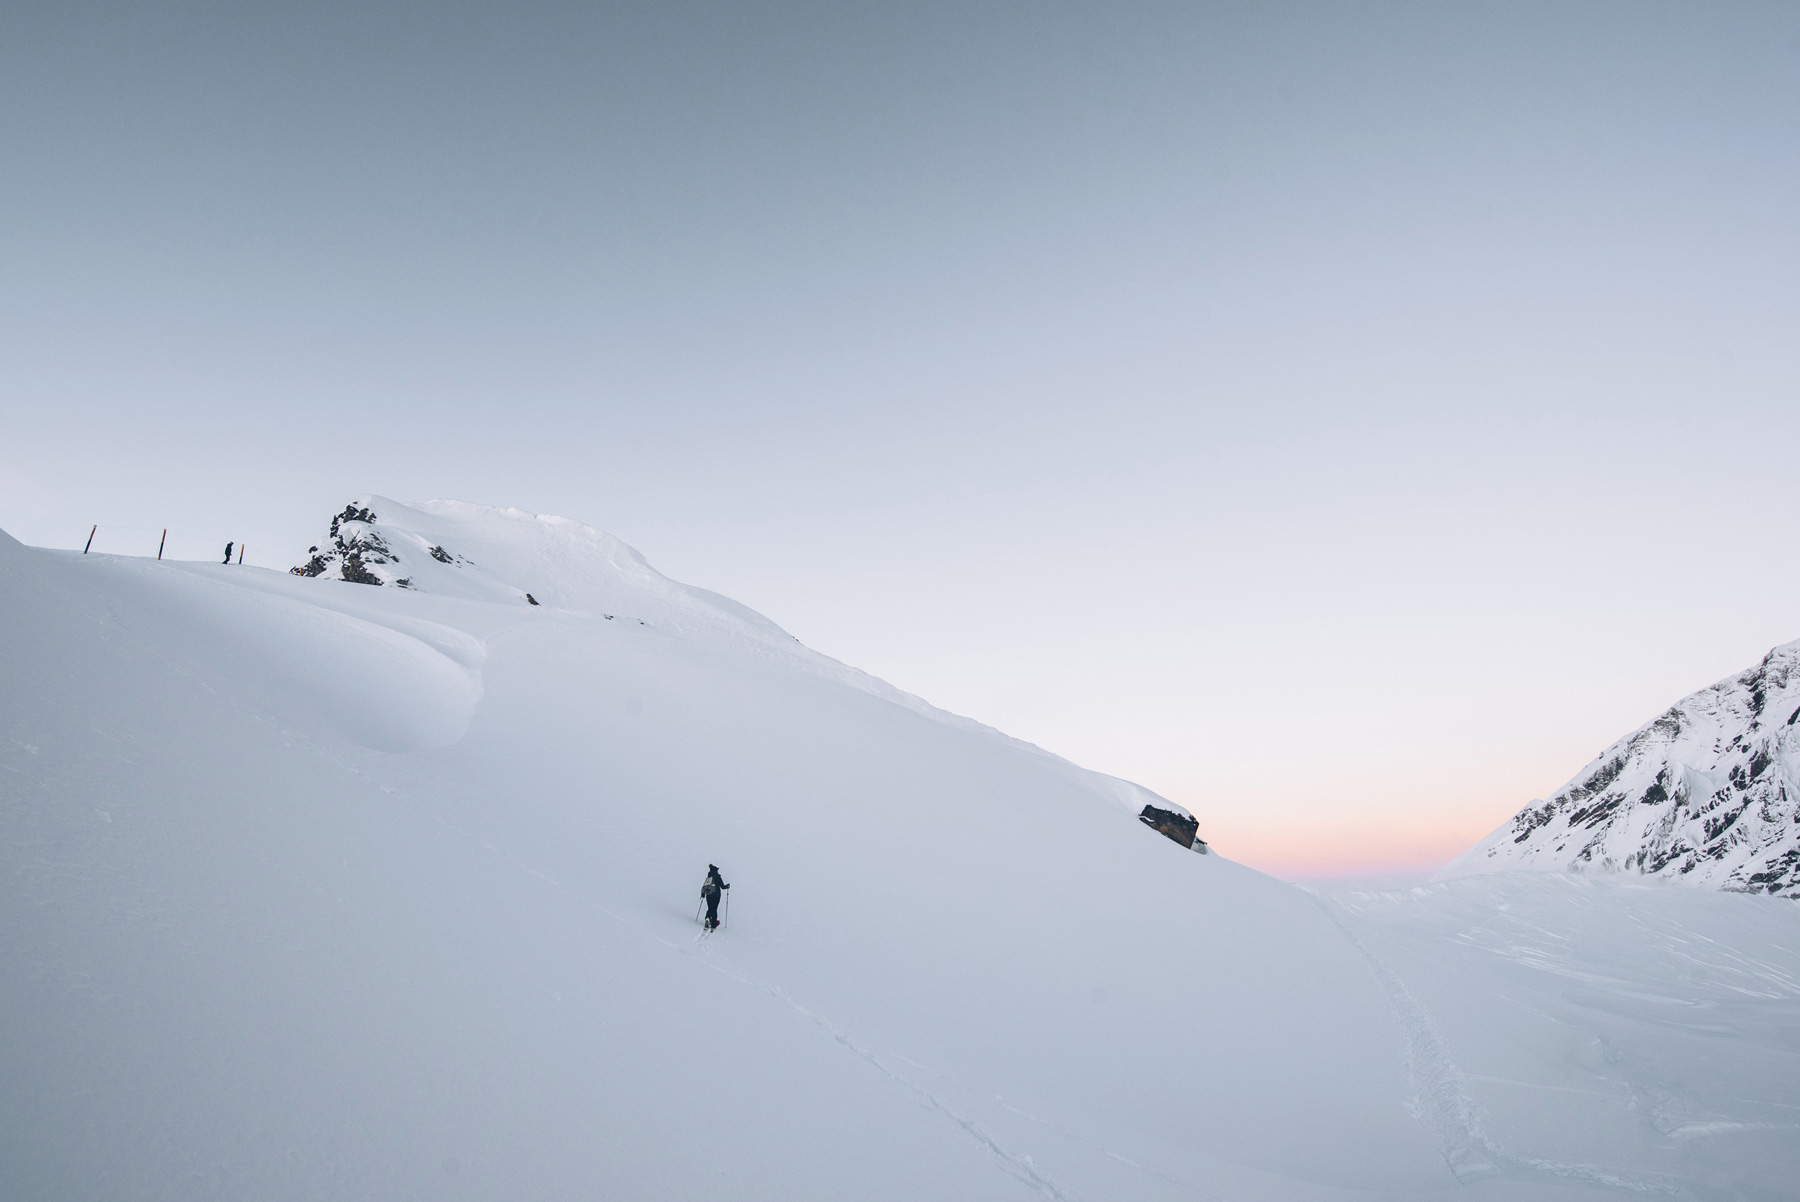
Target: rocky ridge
(1707, 792)
(359, 552)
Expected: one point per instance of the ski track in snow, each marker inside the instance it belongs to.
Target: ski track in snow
(1110, 1154)
(1437, 1083)
(1656, 967)
(1019, 1166)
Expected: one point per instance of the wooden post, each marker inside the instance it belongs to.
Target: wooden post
(90, 541)
(162, 544)
(241, 549)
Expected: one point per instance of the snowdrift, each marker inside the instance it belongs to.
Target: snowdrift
(318, 888)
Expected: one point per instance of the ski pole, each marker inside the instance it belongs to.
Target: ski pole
(727, 916)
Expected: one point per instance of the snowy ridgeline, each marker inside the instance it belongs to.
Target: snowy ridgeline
(315, 889)
(1708, 792)
(508, 556)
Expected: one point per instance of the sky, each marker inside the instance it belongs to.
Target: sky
(1343, 419)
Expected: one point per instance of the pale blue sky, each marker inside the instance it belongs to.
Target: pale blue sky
(1345, 419)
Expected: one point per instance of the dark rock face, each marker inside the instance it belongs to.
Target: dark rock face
(355, 572)
(354, 546)
(358, 552)
(352, 514)
(1179, 827)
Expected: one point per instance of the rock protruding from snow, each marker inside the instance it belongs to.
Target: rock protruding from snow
(1180, 826)
(359, 552)
(383, 542)
(1709, 792)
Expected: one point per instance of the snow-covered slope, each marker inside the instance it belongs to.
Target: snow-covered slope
(1708, 792)
(315, 889)
(509, 556)
(1608, 1030)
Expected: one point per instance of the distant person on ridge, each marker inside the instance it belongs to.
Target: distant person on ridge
(712, 890)
(228, 547)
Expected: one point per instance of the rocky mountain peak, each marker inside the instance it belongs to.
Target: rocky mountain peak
(1708, 792)
(356, 549)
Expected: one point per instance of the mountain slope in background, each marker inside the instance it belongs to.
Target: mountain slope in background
(311, 888)
(1708, 792)
(508, 556)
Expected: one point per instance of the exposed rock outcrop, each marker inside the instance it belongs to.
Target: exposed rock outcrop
(1183, 828)
(355, 548)
(362, 550)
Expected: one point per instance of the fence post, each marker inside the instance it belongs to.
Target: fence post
(90, 541)
(241, 548)
(162, 544)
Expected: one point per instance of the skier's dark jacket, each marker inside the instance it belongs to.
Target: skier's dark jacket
(714, 883)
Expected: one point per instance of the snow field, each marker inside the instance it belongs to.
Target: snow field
(314, 888)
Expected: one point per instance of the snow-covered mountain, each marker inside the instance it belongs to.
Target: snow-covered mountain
(1707, 792)
(311, 888)
(481, 553)
(511, 557)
